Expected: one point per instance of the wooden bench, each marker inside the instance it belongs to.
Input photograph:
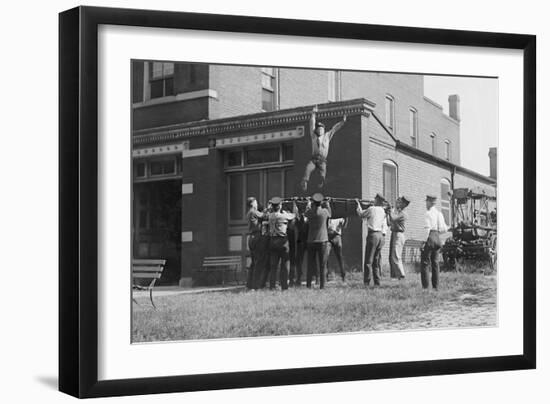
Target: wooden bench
(412, 250)
(222, 264)
(147, 269)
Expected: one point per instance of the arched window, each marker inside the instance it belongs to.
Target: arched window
(446, 200)
(413, 126)
(390, 112)
(434, 144)
(447, 149)
(389, 174)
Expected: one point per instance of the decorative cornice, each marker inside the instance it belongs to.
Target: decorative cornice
(287, 117)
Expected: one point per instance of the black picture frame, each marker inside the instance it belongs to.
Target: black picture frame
(78, 196)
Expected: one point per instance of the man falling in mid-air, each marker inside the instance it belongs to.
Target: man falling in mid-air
(320, 142)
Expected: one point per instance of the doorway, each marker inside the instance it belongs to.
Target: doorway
(157, 225)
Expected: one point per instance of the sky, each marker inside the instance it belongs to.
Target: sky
(478, 115)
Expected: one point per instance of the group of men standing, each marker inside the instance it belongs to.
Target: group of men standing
(278, 241)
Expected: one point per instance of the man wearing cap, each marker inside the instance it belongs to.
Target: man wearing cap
(254, 217)
(375, 217)
(317, 239)
(335, 228)
(320, 142)
(434, 225)
(396, 220)
(278, 243)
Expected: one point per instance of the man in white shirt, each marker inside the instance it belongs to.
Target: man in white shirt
(320, 142)
(375, 216)
(434, 226)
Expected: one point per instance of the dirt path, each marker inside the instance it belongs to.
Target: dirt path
(471, 308)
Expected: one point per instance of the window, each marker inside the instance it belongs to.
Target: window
(234, 158)
(140, 170)
(334, 87)
(255, 155)
(413, 126)
(262, 184)
(446, 200)
(389, 173)
(447, 150)
(162, 167)
(161, 79)
(266, 155)
(269, 89)
(146, 170)
(434, 145)
(390, 112)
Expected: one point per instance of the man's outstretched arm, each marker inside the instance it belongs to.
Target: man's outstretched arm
(313, 121)
(337, 127)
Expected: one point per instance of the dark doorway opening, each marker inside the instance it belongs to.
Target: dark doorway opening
(157, 225)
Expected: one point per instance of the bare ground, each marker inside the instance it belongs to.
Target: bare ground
(472, 307)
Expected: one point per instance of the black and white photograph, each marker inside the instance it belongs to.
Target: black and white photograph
(274, 201)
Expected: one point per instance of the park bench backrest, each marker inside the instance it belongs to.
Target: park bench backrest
(221, 261)
(147, 269)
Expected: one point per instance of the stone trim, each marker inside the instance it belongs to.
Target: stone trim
(186, 236)
(203, 151)
(158, 150)
(187, 189)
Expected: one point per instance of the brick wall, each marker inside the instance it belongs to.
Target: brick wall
(407, 91)
(203, 211)
(302, 87)
(416, 178)
(170, 113)
(238, 88)
(239, 93)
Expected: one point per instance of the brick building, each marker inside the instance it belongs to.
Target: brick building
(207, 136)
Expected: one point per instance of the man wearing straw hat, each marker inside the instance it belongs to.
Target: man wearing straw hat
(434, 225)
(396, 220)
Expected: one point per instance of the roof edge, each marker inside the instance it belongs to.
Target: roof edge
(429, 157)
(356, 106)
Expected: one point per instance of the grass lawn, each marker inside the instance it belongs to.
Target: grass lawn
(337, 308)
